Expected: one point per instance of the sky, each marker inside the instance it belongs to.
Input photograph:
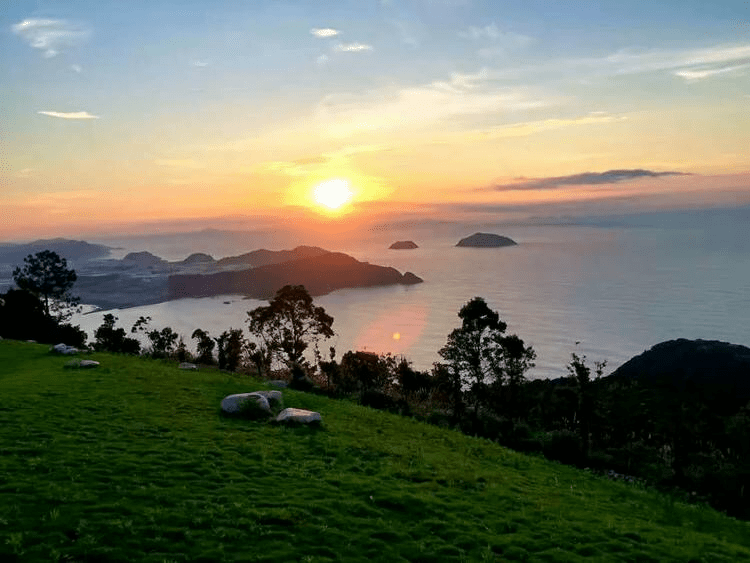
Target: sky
(115, 115)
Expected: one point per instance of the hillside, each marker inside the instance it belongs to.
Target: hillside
(319, 274)
(132, 461)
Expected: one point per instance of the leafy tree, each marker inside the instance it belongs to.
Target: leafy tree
(163, 341)
(478, 354)
(230, 349)
(111, 339)
(580, 373)
(289, 323)
(47, 276)
(205, 347)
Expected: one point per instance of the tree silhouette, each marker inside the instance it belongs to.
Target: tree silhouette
(289, 323)
(478, 353)
(47, 276)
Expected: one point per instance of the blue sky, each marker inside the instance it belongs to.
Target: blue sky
(207, 109)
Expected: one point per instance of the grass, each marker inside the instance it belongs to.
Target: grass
(132, 461)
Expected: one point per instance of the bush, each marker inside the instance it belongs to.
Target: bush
(384, 402)
(563, 446)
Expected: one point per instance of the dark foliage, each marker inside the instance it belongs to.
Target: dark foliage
(205, 347)
(47, 276)
(111, 339)
(289, 324)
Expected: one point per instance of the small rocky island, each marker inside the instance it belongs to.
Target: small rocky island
(403, 245)
(486, 240)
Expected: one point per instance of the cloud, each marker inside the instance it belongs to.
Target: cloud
(498, 43)
(69, 115)
(200, 64)
(531, 127)
(50, 36)
(701, 73)
(409, 32)
(324, 32)
(76, 68)
(352, 47)
(638, 61)
(584, 179)
(322, 59)
(25, 173)
(383, 109)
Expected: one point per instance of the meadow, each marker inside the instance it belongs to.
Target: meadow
(133, 461)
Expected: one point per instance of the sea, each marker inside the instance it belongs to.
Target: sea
(608, 288)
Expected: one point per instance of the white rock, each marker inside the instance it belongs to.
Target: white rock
(88, 364)
(187, 365)
(299, 415)
(63, 349)
(235, 403)
(273, 397)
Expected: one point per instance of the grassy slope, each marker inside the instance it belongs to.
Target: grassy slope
(133, 461)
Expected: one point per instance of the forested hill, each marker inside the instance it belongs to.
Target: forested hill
(319, 274)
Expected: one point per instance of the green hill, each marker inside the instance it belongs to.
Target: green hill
(132, 461)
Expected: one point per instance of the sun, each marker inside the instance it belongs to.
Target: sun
(333, 193)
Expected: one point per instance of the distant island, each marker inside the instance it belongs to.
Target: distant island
(403, 245)
(319, 274)
(142, 278)
(486, 240)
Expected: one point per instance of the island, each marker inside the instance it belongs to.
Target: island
(142, 278)
(403, 245)
(486, 240)
(319, 274)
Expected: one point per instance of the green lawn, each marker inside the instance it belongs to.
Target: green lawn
(132, 461)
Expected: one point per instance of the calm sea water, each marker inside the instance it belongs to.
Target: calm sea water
(617, 291)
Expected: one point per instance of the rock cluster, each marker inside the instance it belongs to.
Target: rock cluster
(63, 349)
(262, 402)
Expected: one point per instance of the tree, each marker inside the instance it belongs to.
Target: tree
(46, 275)
(478, 353)
(580, 373)
(111, 339)
(205, 347)
(289, 323)
(230, 346)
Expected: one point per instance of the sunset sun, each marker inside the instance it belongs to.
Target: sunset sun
(333, 193)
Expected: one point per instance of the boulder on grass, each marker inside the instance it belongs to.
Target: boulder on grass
(299, 416)
(274, 397)
(63, 349)
(187, 365)
(242, 402)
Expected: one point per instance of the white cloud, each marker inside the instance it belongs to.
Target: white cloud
(352, 47)
(69, 115)
(410, 32)
(632, 61)
(322, 59)
(76, 68)
(701, 73)
(463, 96)
(200, 64)
(324, 32)
(50, 36)
(498, 43)
(25, 173)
